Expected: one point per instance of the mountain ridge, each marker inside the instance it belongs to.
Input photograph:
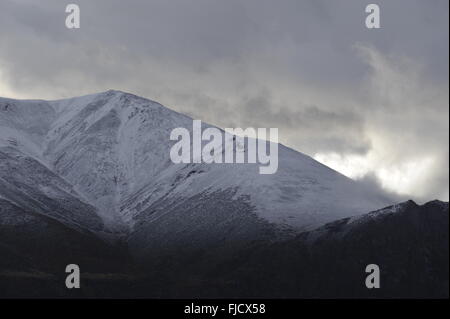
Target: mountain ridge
(89, 180)
(109, 131)
(410, 245)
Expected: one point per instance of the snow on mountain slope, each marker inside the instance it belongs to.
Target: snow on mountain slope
(26, 179)
(112, 148)
(30, 185)
(24, 124)
(108, 145)
(302, 193)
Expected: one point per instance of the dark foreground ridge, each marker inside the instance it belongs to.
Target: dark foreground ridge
(407, 241)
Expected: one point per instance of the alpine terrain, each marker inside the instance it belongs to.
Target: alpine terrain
(89, 181)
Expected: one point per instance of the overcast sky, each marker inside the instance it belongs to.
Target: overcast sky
(371, 103)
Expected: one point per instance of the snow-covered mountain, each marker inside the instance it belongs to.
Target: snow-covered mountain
(89, 180)
(101, 163)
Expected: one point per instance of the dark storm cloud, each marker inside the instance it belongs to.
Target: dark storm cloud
(331, 130)
(373, 184)
(310, 68)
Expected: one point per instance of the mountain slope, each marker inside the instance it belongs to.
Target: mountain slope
(112, 149)
(407, 241)
(89, 180)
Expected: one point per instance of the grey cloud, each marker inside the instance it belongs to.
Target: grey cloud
(316, 129)
(373, 184)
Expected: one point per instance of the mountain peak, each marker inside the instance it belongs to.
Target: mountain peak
(113, 147)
